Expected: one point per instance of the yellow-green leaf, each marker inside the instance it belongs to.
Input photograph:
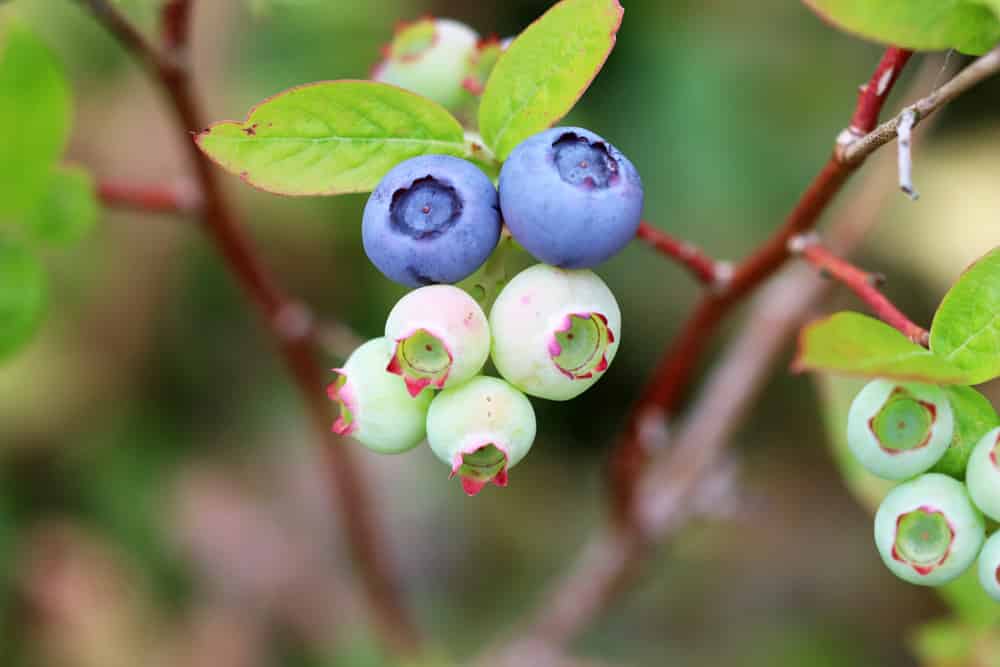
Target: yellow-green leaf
(855, 344)
(335, 137)
(970, 26)
(546, 70)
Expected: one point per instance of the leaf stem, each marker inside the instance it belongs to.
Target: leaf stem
(289, 322)
(703, 268)
(863, 284)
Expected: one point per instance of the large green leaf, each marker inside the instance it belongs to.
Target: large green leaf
(335, 137)
(974, 416)
(856, 344)
(22, 295)
(34, 116)
(966, 327)
(971, 26)
(66, 211)
(546, 70)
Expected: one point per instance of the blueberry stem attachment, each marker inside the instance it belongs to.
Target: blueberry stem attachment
(865, 285)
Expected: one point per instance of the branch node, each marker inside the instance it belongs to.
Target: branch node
(653, 431)
(293, 322)
(798, 243)
(724, 272)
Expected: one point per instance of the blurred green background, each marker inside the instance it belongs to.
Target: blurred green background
(161, 501)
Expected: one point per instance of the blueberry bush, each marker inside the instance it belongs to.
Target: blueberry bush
(492, 217)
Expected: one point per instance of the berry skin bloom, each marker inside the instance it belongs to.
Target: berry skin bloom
(431, 57)
(481, 429)
(927, 530)
(432, 219)
(555, 331)
(983, 475)
(898, 430)
(989, 567)
(375, 408)
(570, 198)
(440, 338)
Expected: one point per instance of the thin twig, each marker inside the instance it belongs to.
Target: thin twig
(292, 328)
(981, 69)
(863, 284)
(181, 198)
(706, 270)
(905, 154)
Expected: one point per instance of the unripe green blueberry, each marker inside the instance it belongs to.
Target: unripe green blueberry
(898, 430)
(989, 566)
(431, 57)
(441, 338)
(481, 429)
(375, 408)
(555, 331)
(983, 475)
(927, 530)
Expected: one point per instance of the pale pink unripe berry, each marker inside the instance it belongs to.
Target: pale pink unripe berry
(440, 335)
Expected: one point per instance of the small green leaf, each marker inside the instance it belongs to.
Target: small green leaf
(971, 26)
(966, 327)
(22, 296)
(546, 70)
(335, 137)
(974, 416)
(66, 211)
(856, 344)
(34, 116)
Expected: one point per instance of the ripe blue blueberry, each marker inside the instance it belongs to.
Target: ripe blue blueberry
(570, 198)
(555, 331)
(441, 338)
(983, 475)
(927, 530)
(989, 567)
(898, 430)
(431, 57)
(432, 219)
(481, 429)
(375, 408)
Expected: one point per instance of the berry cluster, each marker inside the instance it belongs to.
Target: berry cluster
(572, 200)
(929, 529)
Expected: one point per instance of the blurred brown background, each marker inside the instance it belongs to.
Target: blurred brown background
(160, 497)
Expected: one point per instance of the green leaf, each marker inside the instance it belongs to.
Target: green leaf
(66, 211)
(546, 70)
(974, 416)
(971, 26)
(966, 327)
(856, 344)
(335, 137)
(34, 116)
(22, 296)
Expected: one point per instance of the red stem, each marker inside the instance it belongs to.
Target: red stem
(864, 285)
(148, 198)
(674, 374)
(701, 266)
(292, 330)
(872, 96)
